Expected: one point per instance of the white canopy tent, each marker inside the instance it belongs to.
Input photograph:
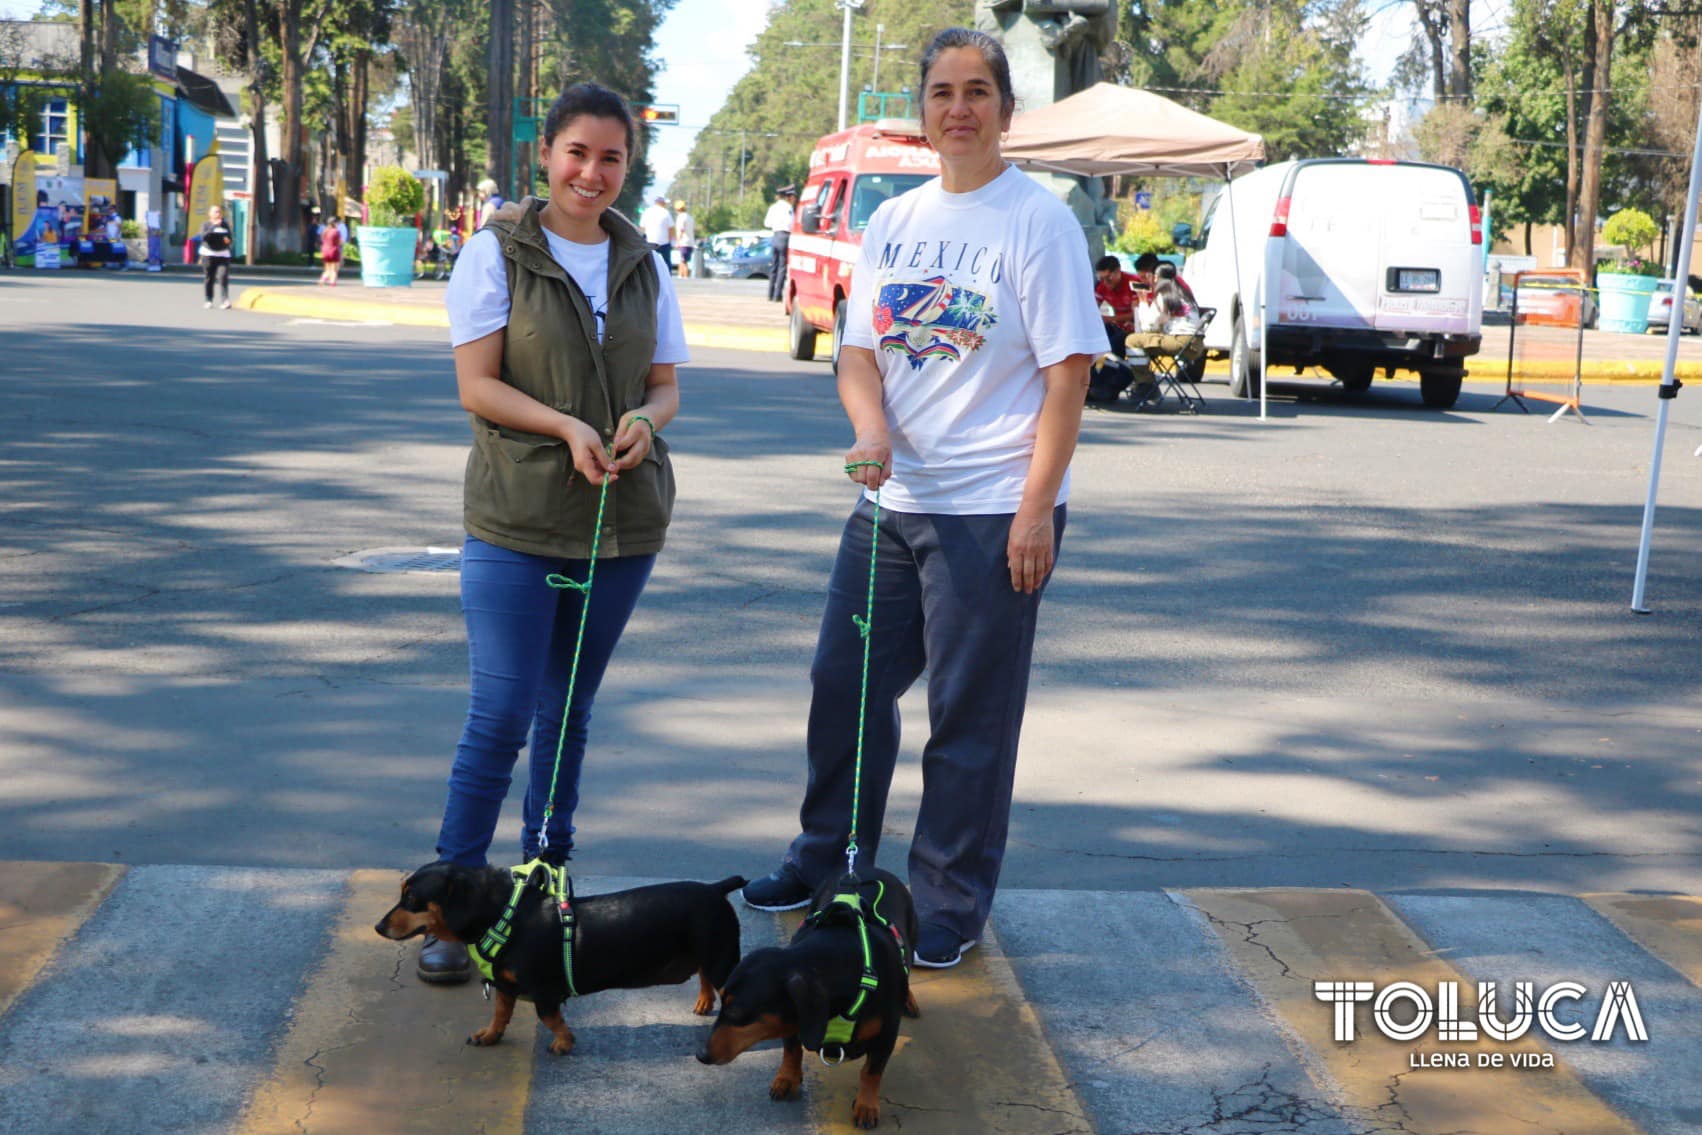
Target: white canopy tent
(1108, 130)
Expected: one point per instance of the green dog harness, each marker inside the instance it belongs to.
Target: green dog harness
(555, 884)
(850, 905)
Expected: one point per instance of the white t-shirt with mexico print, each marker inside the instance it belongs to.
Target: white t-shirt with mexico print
(964, 297)
(478, 303)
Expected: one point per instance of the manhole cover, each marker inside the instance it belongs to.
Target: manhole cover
(403, 560)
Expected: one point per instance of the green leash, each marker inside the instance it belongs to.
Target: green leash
(555, 882)
(865, 624)
(563, 583)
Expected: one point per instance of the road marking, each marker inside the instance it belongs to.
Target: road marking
(975, 1061)
(372, 1048)
(1668, 926)
(41, 905)
(1286, 939)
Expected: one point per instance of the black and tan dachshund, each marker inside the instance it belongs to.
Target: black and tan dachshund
(656, 935)
(793, 993)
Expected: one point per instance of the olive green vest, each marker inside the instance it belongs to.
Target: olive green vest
(522, 491)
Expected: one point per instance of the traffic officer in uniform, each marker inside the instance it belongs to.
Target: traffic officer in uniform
(779, 222)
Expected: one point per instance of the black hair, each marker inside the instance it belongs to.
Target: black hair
(1146, 262)
(992, 52)
(1169, 297)
(1165, 270)
(595, 100)
(1108, 264)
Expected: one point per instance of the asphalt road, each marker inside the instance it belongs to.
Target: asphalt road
(1359, 644)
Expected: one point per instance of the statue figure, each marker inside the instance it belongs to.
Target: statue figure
(1069, 36)
(1053, 47)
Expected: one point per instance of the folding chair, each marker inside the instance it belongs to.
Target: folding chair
(1177, 362)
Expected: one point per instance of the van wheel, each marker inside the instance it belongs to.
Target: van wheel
(1243, 365)
(1440, 388)
(803, 335)
(1354, 377)
(838, 332)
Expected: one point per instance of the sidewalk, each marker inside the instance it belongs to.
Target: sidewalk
(733, 315)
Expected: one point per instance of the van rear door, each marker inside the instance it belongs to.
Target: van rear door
(1380, 246)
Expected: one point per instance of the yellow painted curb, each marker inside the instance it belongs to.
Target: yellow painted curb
(334, 307)
(41, 905)
(371, 1048)
(331, 306)
(975, 1061)
(1283, 940)
(1668, 926)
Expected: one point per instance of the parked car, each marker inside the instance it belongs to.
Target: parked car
(1660, 309)
(1375, 265)
(1554, 297)
(739, 254)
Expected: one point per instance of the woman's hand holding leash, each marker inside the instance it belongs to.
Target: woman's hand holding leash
(869, 462)
(589, 457)
(633, 441)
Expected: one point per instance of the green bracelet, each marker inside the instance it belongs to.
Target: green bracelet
(646, 421)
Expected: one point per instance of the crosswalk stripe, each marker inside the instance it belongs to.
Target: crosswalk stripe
(1546, 939)
(159, 1015)
(1668, 926)
(1284, 940)
(41, 905)
(1152, 1023)
(371, 1048)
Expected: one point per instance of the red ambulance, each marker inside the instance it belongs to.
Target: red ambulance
(851, 173)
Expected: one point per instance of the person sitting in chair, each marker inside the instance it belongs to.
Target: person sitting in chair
(1117, 294)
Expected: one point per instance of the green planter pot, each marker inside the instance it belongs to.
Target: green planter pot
(387, 257)
(1625, 301)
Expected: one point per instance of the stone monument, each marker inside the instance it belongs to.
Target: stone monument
(1054, 48)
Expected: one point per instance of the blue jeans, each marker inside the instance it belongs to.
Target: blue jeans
(520, 637)
(944, 603)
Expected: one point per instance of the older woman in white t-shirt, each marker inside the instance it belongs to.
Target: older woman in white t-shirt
(970, 331)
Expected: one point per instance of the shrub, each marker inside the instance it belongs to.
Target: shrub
(130, 230)
(393, 196)
(1632, 228)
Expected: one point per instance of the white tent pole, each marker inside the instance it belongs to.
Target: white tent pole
(1669, 381)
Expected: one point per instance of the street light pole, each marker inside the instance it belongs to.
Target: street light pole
(846, 6)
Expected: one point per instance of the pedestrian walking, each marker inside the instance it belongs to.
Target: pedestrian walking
(685, 237)
(331, 252)
(778, 221)
(566, 333)
(658, 226)
(216, 241)
(963, 374)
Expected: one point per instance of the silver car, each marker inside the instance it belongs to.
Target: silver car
(1660, 309)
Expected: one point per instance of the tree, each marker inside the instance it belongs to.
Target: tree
(1287, 73)
(119, 111)
(760, 138)
(1443, 34)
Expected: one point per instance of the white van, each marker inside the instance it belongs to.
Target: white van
(1379, 265)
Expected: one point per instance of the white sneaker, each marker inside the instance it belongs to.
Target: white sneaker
(208, 304)
(226, 304)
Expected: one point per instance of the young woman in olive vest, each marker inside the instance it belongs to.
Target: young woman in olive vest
(566, 335)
